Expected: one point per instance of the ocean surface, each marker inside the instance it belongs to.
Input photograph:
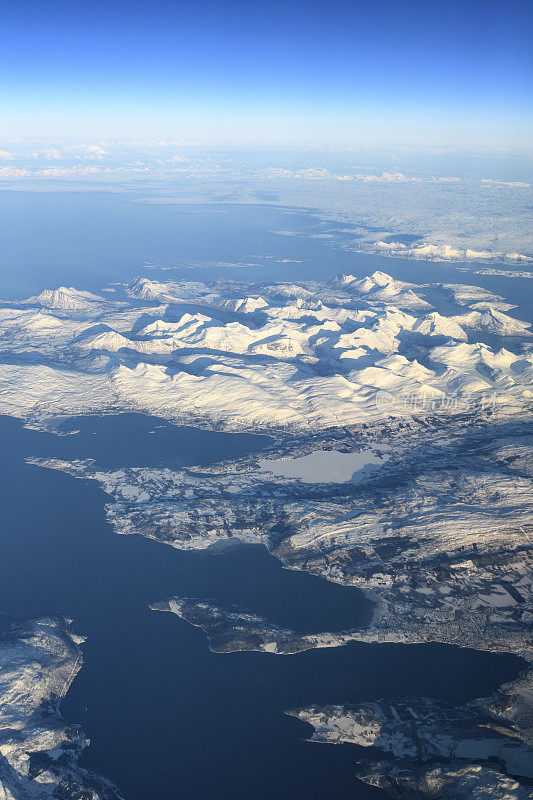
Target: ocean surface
(168, 718)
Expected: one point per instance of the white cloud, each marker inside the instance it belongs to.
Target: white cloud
(512, 184)
(89, 150)
(387, 177)
(50, 153)
(325, 174)
(13, 172)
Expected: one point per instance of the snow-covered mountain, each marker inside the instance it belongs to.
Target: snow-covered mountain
(317, 355)
(70, 299)
(380, 287)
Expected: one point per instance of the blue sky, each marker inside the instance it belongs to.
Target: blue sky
(434, 72)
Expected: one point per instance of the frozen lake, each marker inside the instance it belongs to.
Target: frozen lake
(326, 466)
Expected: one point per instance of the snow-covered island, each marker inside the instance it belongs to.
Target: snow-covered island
(433, 749)
(39, 659)
(437, 534)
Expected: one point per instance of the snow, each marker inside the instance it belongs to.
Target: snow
(29, 389)
(383, 288)
(493, 321)
(305, 358)
(318, 355)
(38, 661)
(327, 466)
(434, 324)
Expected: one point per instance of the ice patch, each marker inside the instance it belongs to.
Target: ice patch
(325, 466)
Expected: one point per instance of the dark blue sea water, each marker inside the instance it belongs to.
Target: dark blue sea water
(168, 718)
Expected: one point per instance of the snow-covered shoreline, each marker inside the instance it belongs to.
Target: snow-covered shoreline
(437, 534)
